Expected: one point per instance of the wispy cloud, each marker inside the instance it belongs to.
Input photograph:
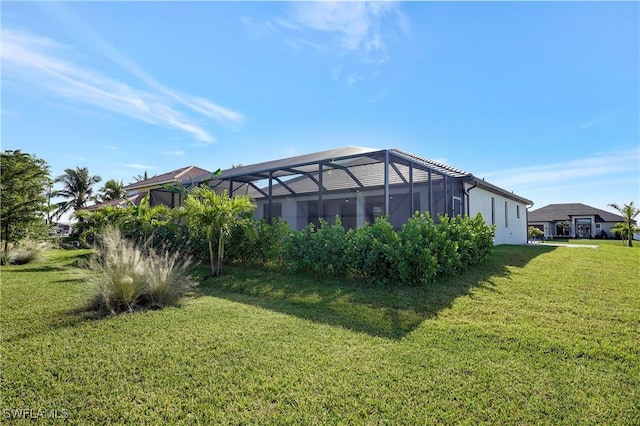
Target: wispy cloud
(591, 123)
(176, 153)
(110, 147)
(216, 112)
(611, 164)
(137, 166)
(45, 63)
(355, 27)
(356, 30)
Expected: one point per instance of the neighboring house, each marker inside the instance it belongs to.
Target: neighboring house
(583, 221)
(62, 229)
(361, 184)
(135, 192)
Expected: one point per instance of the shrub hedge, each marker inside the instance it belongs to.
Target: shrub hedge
(416, 254)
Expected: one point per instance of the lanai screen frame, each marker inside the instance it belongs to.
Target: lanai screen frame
(315, 167)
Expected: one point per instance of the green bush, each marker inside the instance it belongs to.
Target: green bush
(319, 251)
(372, 252)
(162, 228)
(126, 277)
(258, 244)
(417, 254)
(420, 242)
(300, 250)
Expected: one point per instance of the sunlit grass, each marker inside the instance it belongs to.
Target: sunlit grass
(536, 335)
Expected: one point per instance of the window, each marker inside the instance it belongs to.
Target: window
(517, 212)
(276, 210)
(506, 214)
(457, 206)
(493, 211)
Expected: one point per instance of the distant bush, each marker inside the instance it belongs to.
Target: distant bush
(23, 252)
(125, 276)
(602, 235)
(534, 233)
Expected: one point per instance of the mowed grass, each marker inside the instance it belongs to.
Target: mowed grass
(536, 335)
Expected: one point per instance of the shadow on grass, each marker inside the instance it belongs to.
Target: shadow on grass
(44, 268)
(359, 306)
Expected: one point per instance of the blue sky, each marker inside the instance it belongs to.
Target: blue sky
(541, 98)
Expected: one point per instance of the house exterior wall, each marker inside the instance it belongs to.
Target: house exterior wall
(510, 229)
(142, 189)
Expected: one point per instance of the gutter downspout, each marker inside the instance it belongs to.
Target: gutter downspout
(466, 192)
(527, 218)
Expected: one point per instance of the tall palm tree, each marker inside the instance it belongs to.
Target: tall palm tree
(210, 213)
(76, 188)
(140, 178)
(629, 213)
(112, 190)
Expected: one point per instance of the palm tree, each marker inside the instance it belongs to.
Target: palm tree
(629, 213)
(140, 178)
(112, 190)
(77, 189)
(209, 212)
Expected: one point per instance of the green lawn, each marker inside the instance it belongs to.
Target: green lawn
(536, 335)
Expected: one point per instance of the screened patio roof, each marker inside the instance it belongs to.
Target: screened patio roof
(340, 169)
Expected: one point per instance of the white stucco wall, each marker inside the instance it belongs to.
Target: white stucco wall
(514, 231)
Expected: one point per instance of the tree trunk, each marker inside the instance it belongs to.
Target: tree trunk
(213, 269)
(6, 236)
(220, 254)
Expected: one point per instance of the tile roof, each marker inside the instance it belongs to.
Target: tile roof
(121, 202)
(561, 212)
(177, 175)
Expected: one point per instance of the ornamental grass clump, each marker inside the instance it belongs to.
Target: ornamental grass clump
(26, 251)
(126, 277)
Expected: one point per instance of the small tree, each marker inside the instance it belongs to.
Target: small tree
(23, 191)
(564, 227)
(209, 212)
(629, 213)
(534, 233)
